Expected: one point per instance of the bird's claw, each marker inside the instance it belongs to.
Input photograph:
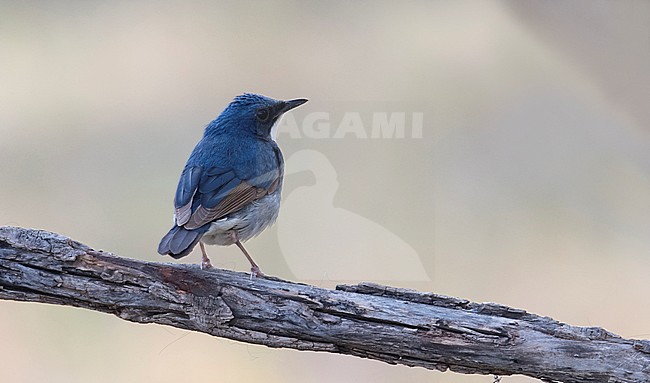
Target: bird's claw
(256, 272)
(206, 265)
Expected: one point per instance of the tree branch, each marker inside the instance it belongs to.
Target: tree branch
(396, 326)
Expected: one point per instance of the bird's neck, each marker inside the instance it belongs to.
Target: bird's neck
(224, 129)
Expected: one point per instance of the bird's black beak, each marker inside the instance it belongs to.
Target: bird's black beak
(290, 104)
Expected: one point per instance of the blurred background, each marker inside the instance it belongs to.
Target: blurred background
(529, 184)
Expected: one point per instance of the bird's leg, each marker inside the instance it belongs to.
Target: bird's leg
(255, 270)
(205, 261)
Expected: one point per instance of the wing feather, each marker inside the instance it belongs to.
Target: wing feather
(239, 197)
(211, 198)
(185, 191)
(205, 195)
(187, 185)
(211, 182)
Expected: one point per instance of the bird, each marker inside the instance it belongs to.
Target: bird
(229, 190)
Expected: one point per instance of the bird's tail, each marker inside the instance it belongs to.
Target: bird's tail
(179, 242)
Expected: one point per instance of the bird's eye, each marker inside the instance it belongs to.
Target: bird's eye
(262, 114)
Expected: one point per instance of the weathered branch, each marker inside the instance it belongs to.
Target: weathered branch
(397, 326)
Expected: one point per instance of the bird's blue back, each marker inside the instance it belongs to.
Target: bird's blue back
(232, 146)
(231, 141)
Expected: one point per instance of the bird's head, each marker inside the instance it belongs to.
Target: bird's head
(253, 113)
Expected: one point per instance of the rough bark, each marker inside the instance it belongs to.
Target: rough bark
(396, 326)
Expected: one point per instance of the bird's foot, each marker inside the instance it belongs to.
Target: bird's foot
(205, 261)
(206, 265)
(256, 272)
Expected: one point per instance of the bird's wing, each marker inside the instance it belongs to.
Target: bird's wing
(185, 191)
(205, 195)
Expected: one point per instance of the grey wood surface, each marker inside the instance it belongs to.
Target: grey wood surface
(393, 325)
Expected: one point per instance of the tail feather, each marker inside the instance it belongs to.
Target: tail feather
(179, 242)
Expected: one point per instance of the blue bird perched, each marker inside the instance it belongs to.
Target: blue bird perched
(229, 190)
